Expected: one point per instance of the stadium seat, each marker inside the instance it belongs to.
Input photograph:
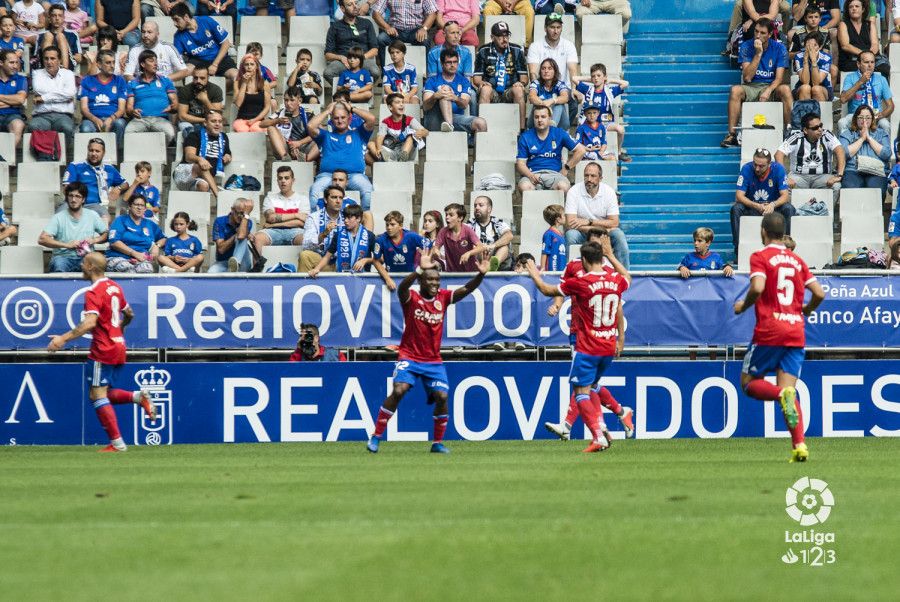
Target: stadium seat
(28, 157)
(496, 145)
(801, 196)
(444, 175)
(608, 54)
(282, 253)
(38, 177)
(258, 29)
(610, 171)
(449, 146)
(79, 150)
(166, 28)
(4, 180)
(568, 31)
(257, 169)
(749, 236)
(745, 249)
(303, 175)
(502, 202)
(814, 239)
(894, 57)
(8, 148)
(21, 260)
(248, 146)
(862, 230)
(394, 176)
(33, 205)
(437, 202)
(500, 117)
(226, 199)
(771, 110)
(415, 55)
(195, 204)
(308, 30)
(757, 138)
(126, 168)
(385, 201)
(860, 201)
(483, 168)
(827, 116)
(146, 146)
(533, 225)
(598, 29)
(228, 25)
(541, 198)
(516, 28)
(29, 231)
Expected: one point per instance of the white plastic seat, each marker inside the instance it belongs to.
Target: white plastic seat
(146, 146)
(308, 30)
(516, 28)
(758, 138)
(447, 146)
(195, 204)
(166, 28)
(865, 230)
(21, 260)
(444, 175)
(38, 177)
(599, 29)
(608, 54)
(502, 203)
(8, 148)
(385, 201)
(248, 146)
(29, 231)
(745, 250)
(801, 196)
(500, 117)
(33, 205)
(771, 110)
(814, 238)
(259, 28)
(282, 254)
(257, 169)
(533, 226)
(483, 168)
(496, 146)
(568, 32)
(79, 150)
(894, 57)
(4, 179)
(749, 236)
(303, 174)
(860, 201)
(28, 157)
(394, 176)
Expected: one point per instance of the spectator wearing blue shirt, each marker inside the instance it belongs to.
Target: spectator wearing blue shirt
(452, 41)
(868, 152)
(761, 189)
(865, 86)
(233, 236)
(396, 250)
(446, 97)
(501, 73)
(356, 80)
(182, 252)
(151, 100)
(8, 39)
(202, 41)
(342, 148)
(400, 77)
(539, 156)
(103, 97)
(13, 95)
(550, 91)
(702, 258)
(763, 61)
(141, 185)
(134, 241)
(813, 65)
(592, 134)
(553, 243)
(103, 181)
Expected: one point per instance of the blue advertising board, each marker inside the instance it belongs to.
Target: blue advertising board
(353, 311)
(296, 402)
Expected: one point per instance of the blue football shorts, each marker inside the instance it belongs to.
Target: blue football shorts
(764, 359)
(434, 376)
(587, 369)
(99, 374)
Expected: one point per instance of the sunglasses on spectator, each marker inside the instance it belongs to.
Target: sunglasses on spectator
(762, 151)
(814, 127)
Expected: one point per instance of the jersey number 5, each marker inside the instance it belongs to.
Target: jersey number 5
(604, 310)
(785, 288)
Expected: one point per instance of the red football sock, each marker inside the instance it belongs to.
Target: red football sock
(440, 427)
(608, 401)
(119, 396)
(107, 416)
(588, 414)
(572, 414)
(759, 388)
(381, 421)
(797, 431)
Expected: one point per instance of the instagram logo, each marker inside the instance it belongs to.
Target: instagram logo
(27, 312)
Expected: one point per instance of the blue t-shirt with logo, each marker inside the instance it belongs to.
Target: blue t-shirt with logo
(187, 248)
(545, 94)
(601, 97)
(872, 93)
(400, 257)
(354, 80)
(766, 190)
(774, 56)
(137, 236)
(89, 176)
(152, 97)
(103, 99)
(544, 154)
(15, 43)
(400, 81)
(204, 43)
(824, 64)
(710, 261)
(17, 83)
(343, 151)
(554, 247)
(459, 84)
(589, 137)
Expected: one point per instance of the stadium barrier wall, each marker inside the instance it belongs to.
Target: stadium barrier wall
(293, 402)
(359, 311)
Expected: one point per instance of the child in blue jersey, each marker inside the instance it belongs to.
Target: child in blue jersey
(9, 41)
(592, 134)
(702, 258)
(356, 80)
(599, 93)
(553, 245)
(400, 77)
(141, 186)
(396, 250)
(182, 252)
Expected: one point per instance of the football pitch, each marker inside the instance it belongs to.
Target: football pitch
(537, 520)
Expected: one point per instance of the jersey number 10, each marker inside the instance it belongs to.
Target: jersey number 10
(604, 307)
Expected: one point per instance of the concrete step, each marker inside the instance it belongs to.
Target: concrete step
(678, 224)
(635, 147)
(691, 107)
(633, 206)
(649, 75)
(643, 167)
(650, 27)
(678, 179)
(676, 44)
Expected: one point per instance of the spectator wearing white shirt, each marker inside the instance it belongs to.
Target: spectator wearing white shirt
(54, 96)
(593, 204)
(813, 158)
(283, 215)
(554, 46)
(168, 60)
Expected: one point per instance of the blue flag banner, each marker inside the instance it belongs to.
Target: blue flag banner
(297, 402)
(355, 311)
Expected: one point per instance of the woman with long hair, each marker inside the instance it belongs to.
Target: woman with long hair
(548, 90)
(868, 150)
(252, 95)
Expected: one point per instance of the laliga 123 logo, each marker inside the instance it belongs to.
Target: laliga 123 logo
(159, 431)
(27, 312)
(809, 501)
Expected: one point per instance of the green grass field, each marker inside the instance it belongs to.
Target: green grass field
(681, 519)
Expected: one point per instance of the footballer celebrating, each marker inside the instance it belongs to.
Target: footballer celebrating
(420, 346)
(596, 295)
(778, 280)
(106, 314)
